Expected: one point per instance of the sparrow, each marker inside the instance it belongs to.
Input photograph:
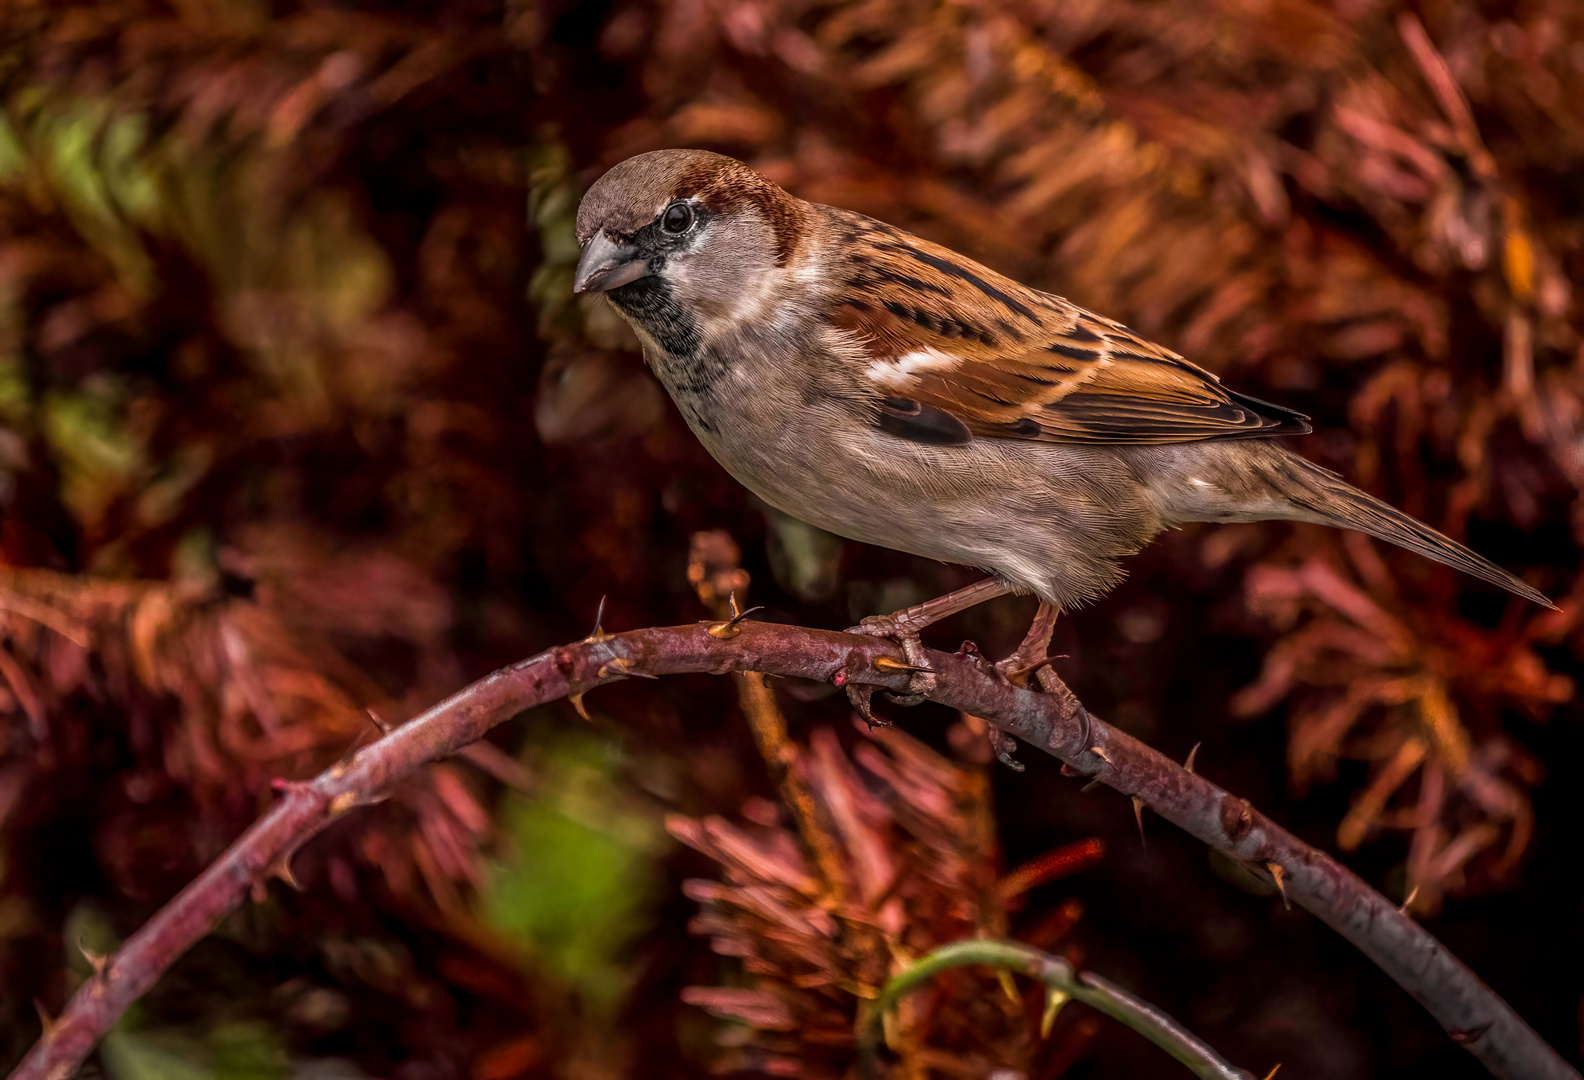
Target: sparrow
(890, 390)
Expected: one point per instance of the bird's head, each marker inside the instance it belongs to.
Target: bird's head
(687, 229)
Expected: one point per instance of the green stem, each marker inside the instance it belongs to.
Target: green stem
(1060, 979)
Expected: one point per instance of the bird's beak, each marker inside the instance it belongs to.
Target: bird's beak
(607, 265)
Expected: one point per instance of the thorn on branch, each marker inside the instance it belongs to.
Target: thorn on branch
(621, 668)
(890, 666)
(1138, 816)
(1407, 904)
(96, 960)
(577, 703)
(1189, 766)
(379, 725)
(1054, 1000)
(283, 871)
(598, 633)
(45, 1019)
(1008, 987)
(729, 629)
(1280, 877)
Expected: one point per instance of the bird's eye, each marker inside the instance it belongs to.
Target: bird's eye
(677, 217)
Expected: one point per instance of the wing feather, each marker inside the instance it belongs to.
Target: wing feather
(1007, 361)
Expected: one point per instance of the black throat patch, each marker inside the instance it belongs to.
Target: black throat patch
(689, 371)
(651, 303)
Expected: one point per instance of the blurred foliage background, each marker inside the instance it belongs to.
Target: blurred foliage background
(299, 423)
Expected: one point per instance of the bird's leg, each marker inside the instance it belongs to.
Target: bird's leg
(1030, 658)
(1033, 653)
(903, 627)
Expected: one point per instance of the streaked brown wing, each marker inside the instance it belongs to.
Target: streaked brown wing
(1009, 362)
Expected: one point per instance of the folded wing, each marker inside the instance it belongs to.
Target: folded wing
(1006, 361)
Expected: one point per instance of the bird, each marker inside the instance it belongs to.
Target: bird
(893, 391)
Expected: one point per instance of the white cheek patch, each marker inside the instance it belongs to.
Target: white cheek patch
(904, 367)
(724, 288)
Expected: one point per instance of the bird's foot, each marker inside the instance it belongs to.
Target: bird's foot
(921, 679)
(903, 628)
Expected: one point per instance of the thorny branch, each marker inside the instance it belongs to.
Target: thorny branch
(1471, 1013)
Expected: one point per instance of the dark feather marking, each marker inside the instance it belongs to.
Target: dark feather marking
(914, 283)
(1102, 417)
(951, 269)
(1082, 332)
(917, 422)
(992, 397)
(1027, 426)
(1280, 419)
(1071, 352)
(927, 319)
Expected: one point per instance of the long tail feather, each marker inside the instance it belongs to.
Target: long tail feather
(1330, 499)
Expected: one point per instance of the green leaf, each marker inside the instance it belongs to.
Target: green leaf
(579, 882)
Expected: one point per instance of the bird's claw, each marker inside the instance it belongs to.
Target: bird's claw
(1003, 745)
(860, 694)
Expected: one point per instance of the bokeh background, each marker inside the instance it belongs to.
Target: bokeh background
(299, 423)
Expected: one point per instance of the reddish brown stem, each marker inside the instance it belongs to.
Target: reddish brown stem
(1054, 722)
